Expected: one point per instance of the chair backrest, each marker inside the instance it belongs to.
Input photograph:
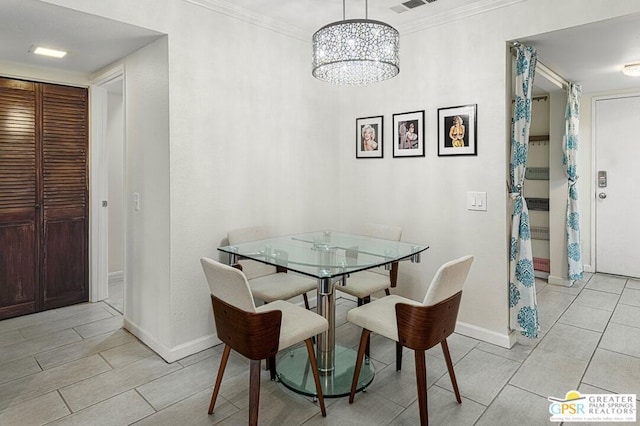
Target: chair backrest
(422, 327)
(449, 280)
(254, 335)
(382, 231)
(385, 232)
(228, 284)
(251, 268)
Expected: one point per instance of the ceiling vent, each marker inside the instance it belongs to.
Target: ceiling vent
(399, 8)
(408, 5)
(413, 3)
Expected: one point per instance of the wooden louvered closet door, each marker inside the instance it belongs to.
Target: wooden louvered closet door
(43, 197)
(19, 215)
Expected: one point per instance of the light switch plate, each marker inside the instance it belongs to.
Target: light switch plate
(476, 200)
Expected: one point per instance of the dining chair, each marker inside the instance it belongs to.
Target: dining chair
(418, 326)
(257, 333)
(269, 283)
(365, 283)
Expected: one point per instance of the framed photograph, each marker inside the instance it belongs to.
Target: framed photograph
(408, 134)
(457, 130)
(369, 136)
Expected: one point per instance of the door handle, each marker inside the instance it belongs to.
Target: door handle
(602, 195)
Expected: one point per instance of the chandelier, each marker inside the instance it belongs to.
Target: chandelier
(356, 52)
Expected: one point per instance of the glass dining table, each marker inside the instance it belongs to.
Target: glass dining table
(329, 257)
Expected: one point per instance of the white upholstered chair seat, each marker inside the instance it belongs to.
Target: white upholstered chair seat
(280, 286)
(267, 284)
(380, 316)
(298, 324)
(365, 283)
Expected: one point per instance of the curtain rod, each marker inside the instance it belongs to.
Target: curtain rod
(545, 71)
(551, 75)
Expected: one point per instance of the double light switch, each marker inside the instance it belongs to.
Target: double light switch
(476, 200)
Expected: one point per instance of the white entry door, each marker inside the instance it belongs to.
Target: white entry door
(617, 195)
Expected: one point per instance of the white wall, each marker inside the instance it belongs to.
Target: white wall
(146, 172)
(426, 196)
(254, 139)
(46, 75)
(115, 152)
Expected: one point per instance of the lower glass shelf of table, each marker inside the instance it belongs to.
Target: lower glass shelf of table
(294, 372)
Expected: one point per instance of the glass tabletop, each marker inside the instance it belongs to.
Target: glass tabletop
(326, 254)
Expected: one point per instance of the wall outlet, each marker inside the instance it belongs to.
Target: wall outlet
(476, 200)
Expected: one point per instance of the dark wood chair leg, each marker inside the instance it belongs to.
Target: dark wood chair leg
(367, 351)
(254, 391)
(306, 305)
(316, 377)
(267, 362)
(421, 379)
(452, 374)
(398, 356)
(364, 339)
(216, 388)
(387, 292)
(271, 362)
(306, 300)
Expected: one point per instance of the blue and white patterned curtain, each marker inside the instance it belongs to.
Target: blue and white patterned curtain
(569, 162)
(522, 289)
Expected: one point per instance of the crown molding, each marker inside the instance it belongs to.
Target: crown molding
(456, 14)
(229, 9)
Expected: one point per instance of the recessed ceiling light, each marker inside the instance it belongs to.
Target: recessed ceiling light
(632, 70)
(39, 50)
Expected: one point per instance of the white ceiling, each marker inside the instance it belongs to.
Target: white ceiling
(591, 55)
(92, 42)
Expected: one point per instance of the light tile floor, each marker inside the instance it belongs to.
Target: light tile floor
(116, 295)
(77, 366)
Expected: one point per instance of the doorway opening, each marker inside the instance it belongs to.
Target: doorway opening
(108, 258)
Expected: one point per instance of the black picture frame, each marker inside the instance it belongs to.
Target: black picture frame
(408, 134)
(461, 140)
(371, 147)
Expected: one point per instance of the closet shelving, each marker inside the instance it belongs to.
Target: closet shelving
(537, 195)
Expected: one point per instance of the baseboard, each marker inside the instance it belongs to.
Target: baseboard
(503, 340)
(115, 277)
(167, 353)
(589, 268)
(565, 282)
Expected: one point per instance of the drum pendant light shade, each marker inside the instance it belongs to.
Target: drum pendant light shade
(356, 52)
